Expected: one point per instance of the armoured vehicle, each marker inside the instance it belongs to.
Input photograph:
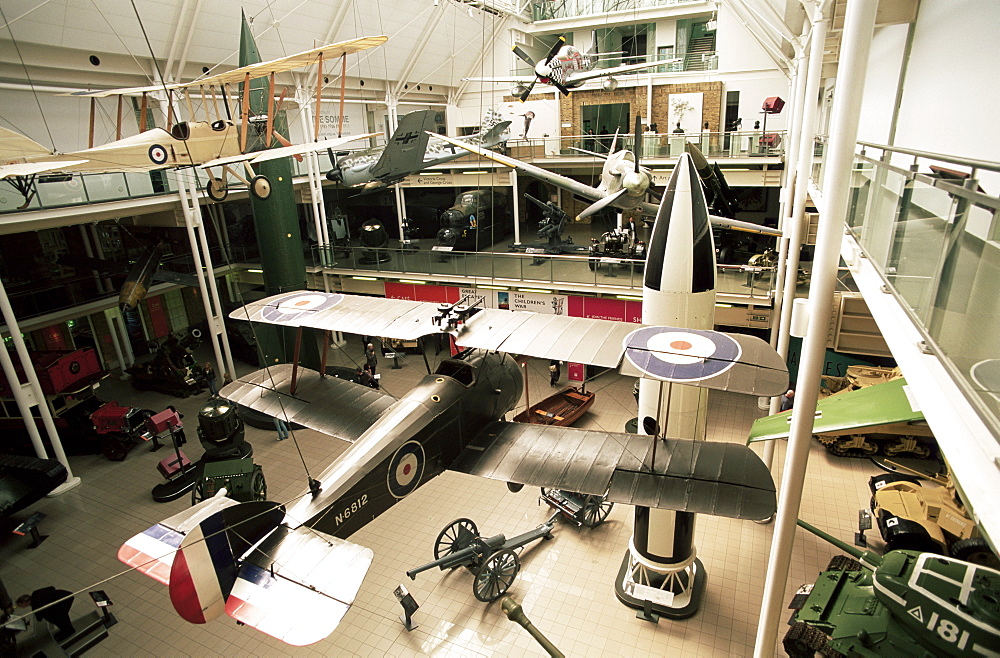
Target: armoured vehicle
(904, 603)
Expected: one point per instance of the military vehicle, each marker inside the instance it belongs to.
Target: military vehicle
(930, 518)
(475, 221)
(904, 603)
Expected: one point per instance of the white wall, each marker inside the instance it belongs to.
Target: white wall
(881, 82)
(737, 48)
(951, 95)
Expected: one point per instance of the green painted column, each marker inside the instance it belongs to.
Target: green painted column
(276, 220)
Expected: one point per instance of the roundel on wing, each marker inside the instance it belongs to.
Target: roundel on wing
(405, 469)
(295, 306)
(157, 154)
(681, 355)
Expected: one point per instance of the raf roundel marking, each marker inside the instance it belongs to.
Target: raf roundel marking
(678, 355)
(405, 469)
(157, 154)
(292, 307)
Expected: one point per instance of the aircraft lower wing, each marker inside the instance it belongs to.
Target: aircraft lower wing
(730, 362)
(268, 391)
(705, 477)
(298, 584)
(865, 408)
(29, 168)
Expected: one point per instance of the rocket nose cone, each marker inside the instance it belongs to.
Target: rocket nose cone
(681, 236)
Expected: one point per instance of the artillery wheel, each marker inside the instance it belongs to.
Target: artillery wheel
(802, 640)
(217, 189)
(495, 576)
(843, 563)
(198, 492)
(456, 535)
(595, 511)
(260, 187)
(976, 551)
(258, 485)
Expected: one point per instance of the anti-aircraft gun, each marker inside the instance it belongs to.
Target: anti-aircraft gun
(552, 225)
(904, 603)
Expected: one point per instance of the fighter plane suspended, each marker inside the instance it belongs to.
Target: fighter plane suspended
(451, 420)
(563, 67)
(215, 143)
(624, 182)
(408, 151)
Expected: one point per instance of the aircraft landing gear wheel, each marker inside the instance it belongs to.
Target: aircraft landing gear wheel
(217, 190)
(595, 511)
(260, 187)
(198, 493)
(495, 576)
(259, 486)
(456, 535)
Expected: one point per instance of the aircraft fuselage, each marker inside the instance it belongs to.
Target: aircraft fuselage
(414, 440)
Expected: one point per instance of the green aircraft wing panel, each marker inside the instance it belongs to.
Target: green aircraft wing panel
(881, 404)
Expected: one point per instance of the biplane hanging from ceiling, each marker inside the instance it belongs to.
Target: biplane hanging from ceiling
(216, 144)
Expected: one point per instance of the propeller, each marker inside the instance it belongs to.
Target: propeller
(544, 70)
(634, 181)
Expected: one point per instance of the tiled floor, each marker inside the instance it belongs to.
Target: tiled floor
(565, 585)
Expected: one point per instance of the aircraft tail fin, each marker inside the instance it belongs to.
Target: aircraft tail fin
(205, 566)
(14, 145)
(298, 584)
(405, 151)
(495, 135)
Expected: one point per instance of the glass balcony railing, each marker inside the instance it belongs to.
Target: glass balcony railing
(754, 283)
(934, 235)
(543, 10)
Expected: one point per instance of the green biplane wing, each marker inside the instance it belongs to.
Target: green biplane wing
(867, 408)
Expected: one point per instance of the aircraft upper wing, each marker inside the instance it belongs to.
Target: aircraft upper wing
(267, 391)
(298, 584)
(574, 186)
(731, 362)
(881, 404)
(705, 477)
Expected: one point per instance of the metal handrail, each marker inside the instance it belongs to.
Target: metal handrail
(951, 159)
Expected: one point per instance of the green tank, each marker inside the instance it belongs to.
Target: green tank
(904, 603)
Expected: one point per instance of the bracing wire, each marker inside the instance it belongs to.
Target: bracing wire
(28, 76)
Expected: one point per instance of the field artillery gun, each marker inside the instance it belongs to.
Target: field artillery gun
(492, 560)
(904, 603)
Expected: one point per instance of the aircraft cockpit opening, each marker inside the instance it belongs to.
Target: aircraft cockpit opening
(462, 372)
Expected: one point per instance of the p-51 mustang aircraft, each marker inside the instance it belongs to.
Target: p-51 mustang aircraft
(624, 182)
(452, 420)
(408, 152)
(208, 144)
(563, 67)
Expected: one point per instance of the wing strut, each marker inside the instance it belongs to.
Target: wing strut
(270, 111)
(295, 360)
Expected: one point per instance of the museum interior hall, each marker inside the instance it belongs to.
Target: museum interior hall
(499, 327)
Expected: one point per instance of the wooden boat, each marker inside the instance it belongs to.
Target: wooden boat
(563, 408)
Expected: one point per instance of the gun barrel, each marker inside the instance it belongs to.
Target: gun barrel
(866, 557)
(466, 556)
(535, 201)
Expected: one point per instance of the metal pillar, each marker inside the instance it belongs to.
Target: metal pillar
(795, 227)
(317, 201)
(109, 317)
(30, 394)
(856, 43)
(188, 192)
(516, 202)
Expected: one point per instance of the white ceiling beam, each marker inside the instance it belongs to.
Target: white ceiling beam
(437, 14)
(498, 27)
(176, 38)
